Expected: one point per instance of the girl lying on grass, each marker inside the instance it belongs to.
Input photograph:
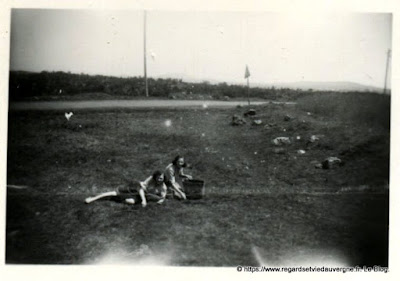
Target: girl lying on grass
(152, 189)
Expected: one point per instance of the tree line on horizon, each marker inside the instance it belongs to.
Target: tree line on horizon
(26, 85)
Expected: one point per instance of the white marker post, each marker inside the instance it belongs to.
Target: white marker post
(247, 75)
(387, 68)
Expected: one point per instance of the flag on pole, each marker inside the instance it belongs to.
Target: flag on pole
(247, 75)
(247, 72)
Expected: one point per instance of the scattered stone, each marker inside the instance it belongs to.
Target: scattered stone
(301, 151)
(250, 112)
(287, 118)
(313, 141)
(315, 138)
(308, 113)
(331, 162)
(237, 120)
(318, 166)
(281, 141)
(257, 122)
(279, 150)
(270, 125)
(298, 138)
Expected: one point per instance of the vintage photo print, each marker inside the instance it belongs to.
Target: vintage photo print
(249, 141)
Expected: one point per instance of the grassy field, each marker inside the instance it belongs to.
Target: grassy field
(261, 205)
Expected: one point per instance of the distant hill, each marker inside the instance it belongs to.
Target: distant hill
(341, 86)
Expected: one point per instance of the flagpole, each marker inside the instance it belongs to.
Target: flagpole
(247, 75)
(248, 90)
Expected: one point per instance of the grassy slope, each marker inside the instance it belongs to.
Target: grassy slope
(99, 150)
(107, 149)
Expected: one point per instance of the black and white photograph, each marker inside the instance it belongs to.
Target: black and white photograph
(251, 140)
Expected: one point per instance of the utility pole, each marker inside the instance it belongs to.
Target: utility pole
(387, 69)
(145, 54)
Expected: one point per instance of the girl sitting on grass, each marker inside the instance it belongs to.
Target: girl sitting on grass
(152, 189)
(174, 175)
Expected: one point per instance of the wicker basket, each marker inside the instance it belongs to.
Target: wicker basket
(194, 189)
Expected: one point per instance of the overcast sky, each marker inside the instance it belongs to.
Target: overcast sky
(278, 47)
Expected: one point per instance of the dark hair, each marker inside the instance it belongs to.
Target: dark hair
(156, 174)
(175, 161)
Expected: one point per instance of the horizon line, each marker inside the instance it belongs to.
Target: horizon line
(203, 80)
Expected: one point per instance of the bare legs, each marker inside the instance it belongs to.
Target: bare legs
(108, 194)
